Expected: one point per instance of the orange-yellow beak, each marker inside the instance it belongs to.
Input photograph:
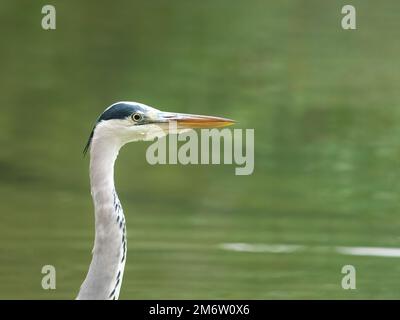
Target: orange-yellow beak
(194, 121)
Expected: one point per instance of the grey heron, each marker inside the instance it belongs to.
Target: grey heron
(119, 124)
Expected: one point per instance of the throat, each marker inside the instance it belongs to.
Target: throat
(104, 277)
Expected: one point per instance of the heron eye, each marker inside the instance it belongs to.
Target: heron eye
(137, 117)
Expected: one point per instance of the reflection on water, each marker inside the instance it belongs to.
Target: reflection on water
(324, 105)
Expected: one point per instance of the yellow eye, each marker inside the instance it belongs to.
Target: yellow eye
(137, 117)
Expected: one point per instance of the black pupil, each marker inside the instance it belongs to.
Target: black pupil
(136, 117)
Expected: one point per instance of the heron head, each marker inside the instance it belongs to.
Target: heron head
(132, 121)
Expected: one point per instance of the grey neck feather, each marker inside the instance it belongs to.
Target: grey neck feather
(104, 278)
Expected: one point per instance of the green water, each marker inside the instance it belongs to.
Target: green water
(325, 106)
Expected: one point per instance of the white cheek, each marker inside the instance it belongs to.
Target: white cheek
(153, 131)
(149, 132)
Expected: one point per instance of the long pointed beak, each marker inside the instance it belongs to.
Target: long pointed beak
(194, 121)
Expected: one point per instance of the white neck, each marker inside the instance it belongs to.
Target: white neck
(104, 277)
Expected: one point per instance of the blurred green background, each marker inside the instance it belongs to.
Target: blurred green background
(325, 106)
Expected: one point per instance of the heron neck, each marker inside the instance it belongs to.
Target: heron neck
(104, 277)
(102, 159)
